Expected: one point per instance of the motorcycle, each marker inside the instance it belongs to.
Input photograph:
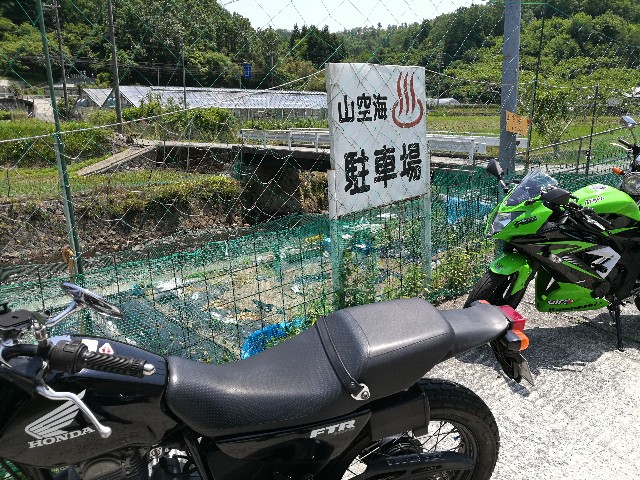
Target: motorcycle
(582, 248)
(346, 398)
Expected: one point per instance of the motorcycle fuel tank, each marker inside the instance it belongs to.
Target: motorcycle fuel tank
(44, 433)
(604, 199)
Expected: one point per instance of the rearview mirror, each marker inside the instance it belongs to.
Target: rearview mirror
(628, 122)
(494, 168)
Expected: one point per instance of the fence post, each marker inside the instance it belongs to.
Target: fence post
(535, 91)
(425, 206)
(336, 248)
(578, 158)
(593, 121)
(65, 185)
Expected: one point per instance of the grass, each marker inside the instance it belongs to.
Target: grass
(490, 125)
(42, 184)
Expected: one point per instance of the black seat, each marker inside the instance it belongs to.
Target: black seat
(473, 326)
(388, 346)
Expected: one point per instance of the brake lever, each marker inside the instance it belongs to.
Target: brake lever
(47, 392)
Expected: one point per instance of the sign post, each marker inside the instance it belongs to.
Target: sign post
(379, 155)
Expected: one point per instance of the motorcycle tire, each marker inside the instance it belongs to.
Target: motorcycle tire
(459, 421)
(495, 288)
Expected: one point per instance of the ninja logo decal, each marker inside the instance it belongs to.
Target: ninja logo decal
(593, 200)
(48, 429)
(525, 221)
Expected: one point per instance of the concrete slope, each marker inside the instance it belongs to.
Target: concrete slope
(113, 161)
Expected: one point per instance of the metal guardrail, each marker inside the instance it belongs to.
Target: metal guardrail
(316, 138)
(319, 138)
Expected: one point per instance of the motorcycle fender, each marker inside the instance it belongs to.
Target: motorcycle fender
(408, 410)
(510, 263)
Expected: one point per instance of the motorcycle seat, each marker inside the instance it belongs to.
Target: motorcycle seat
(388, 346)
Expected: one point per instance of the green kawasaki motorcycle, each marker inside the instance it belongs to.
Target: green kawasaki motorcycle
(582, 248)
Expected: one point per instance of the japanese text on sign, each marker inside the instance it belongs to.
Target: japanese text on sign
(378, 135)
(356, 163)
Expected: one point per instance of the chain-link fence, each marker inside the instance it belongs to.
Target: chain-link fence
(203, 235)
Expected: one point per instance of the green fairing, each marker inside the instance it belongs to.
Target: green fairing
(520, 226)
(510, 263)
(562, 297)
(605, 199)
(519, 223)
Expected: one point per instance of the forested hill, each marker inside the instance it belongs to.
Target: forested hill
(583, 41)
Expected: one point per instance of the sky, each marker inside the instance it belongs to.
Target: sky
(340, 14)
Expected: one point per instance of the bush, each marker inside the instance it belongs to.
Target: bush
(118, 201)
(204, 124)
(102, 117)
(4, 115)
(86, 143)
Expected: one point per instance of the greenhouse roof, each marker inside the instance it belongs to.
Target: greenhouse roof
(232, 98)
(97, 95)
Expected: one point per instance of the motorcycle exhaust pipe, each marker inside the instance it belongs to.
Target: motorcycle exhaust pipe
(416, 465)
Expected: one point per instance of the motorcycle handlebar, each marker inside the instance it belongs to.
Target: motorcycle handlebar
(73, 356)
(589, 215)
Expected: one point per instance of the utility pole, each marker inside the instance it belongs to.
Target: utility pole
(65, 185)
(114, 67)
(184, 77)
(271, 71)
(64, 73)
(509, 91)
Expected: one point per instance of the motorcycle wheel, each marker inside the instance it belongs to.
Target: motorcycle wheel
(459, 421)
(495, 288)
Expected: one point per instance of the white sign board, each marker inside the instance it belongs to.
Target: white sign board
(377, 124)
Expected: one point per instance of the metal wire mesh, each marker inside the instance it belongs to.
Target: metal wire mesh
(203, 235)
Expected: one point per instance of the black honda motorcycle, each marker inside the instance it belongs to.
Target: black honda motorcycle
(344, 399)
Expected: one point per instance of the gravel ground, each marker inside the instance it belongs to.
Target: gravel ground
(581, 420)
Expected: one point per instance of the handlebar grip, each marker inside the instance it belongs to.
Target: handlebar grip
(133, 367)
(625, 143)
(73, 356)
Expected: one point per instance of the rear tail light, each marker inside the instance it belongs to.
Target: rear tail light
(517, 321)
(515, 339)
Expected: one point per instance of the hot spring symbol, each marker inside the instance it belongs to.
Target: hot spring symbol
(404, 113)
